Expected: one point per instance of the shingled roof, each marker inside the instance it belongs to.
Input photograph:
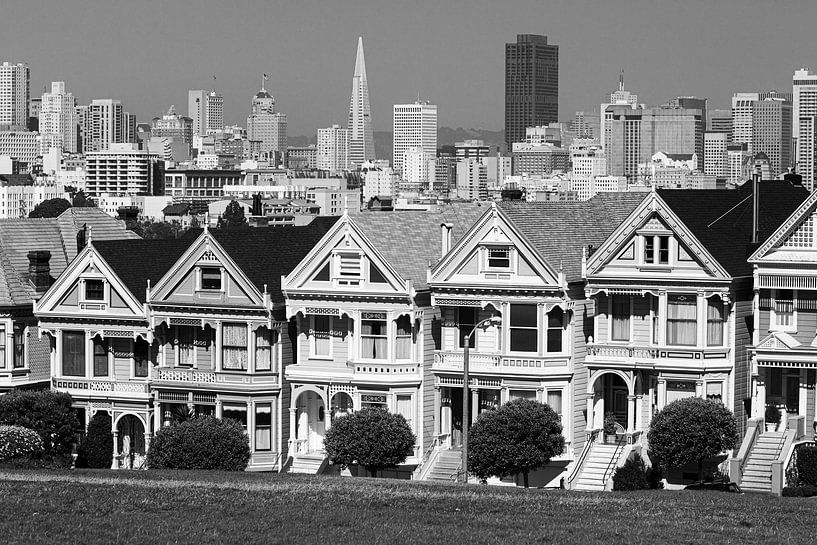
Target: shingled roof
(722, 220)
(18, 236)
(412, 240)
(559, 230)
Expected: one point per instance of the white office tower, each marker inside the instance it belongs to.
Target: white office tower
(804, 124)
(416, 168)
(104, 124)
(716, 160)
(333, 149)
(361, 136)
(265, 126)
(618, 97)
(122, 169)
(415, 126)
(206, 109)
(58, 119)
(14, 94)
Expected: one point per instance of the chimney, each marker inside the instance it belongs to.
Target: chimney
(39, 271)
(446, 234)
(81, 237)
(756, 204)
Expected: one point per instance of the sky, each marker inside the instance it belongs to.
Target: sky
(148, 53)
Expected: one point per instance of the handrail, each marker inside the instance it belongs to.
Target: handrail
(613, 463)
(592, 435)
(418, 471)
(778, 465)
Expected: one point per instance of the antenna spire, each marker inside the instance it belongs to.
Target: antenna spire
(621, 80)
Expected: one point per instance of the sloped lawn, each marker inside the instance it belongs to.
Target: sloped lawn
(105, 507)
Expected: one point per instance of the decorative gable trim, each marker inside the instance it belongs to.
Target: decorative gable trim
(642, 219)
(778, 340)
(779, 237)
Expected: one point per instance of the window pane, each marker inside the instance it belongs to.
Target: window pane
(236, 412)
(403, 346)
(523, 316)
(499, 258)
(405, 408)
(523, 340)
(94, 290)
(714, 322)
(374, 343)
(186, 336)
(522, 394)
(263, 349)
(663, 250)
(73, 353)
(100, 358)
(682, 323)
(621, 318)
(140, 358)
(555, 330)
(555, 401)
(210, 278)
(467, 318)
(714, 390)
(234, 346)
(19, 347)
(784, 308)
(320, 333)
(263, 426)
(2, 348)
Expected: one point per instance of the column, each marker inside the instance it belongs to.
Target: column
(437, 406)
(148, 437)
(590, 417)
(701, 308)
(630, 413)
(191, 407)
(89, 355)
(56, 368)
(251, 425)
(114, 460)
(662, 392)
(157, 415)
(218, 346)
(219, 408)
(699, 388)
(639, 410)
(474, 403)
(541, 329)
(759, 398)
(251, 348)
(9, 363)
(292, 431)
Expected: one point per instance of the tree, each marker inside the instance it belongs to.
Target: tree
(519, 437)
(233, 216)
(96, 450)
(44, 411)
(203, 442)
(50, 208)
(689, 431)
(157, 230)
(372, 437)
(79, 199)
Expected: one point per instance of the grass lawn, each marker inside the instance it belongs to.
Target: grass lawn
(108, 507)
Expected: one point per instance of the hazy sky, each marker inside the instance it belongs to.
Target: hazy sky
(148, 53)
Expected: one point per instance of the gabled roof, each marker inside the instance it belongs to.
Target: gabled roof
(721, 219)
(18, 236)
(181, 209)
(412, 240)
(559, 230)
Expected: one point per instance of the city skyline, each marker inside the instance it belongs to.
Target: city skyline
(463, 75)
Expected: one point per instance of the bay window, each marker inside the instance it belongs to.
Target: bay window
(263, 426)
(235, 412)
(141, 355)
(714, 322)
(73, 353)
(185, 336)
(403, 341)
(783, 310)
(19, 347)
(466, 320)
(321, 340)
(374, 340)
(523, 328)
(265, 340)
(620, 317)
(682, 320)
(234, 346)
(100, 357)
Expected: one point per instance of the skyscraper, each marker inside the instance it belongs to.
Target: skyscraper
(206, 109)
(266, 126)
(804, 124)
(415, 126)
(104, 124)
(763, 121)
(621, 97)
(531, 85)
(361, 137)
(14, 94)
(58, 118)
(333, 149)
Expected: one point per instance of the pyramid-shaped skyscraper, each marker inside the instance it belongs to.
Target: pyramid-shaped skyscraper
(361, 139)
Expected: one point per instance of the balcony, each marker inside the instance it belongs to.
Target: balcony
(386, 372)
(101, 388)
(500, 363)
(652, 356)
(217, 380)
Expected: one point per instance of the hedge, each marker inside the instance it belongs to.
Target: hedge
(96, 451)
(203, 442)
(17, 442)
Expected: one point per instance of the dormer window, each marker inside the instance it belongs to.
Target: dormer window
(94, 290)
(499, 258)
(211, 278)
(656, 249)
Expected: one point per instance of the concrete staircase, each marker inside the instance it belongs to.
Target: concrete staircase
(757, 472)
(598, 467)
(309, 464)
(445, 466)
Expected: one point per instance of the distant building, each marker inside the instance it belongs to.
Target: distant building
(172, 125)
(621, 97)
(378, 181)
(23, 146)
(302, 158)
(103, 123)
(719, 121)
(415, 126)
(199, 187)
(531, 85)
(58, 119)
(804, 125)
(206, 110)
(14, 94)
(472, 180)
(361, 135)
(764, 122)
(533, 159)
(587, 125)
(418, 165)
(333, 149)
(122, 169)
(265, 125)
(471, 149)
(20, 194)
(716, 160)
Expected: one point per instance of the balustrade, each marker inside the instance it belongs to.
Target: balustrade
(641, 352)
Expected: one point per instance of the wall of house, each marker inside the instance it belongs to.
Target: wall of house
(742, 361)
(431, 341)
(806, 322)
(583, 310)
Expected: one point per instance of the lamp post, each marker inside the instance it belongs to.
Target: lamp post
(466, 342)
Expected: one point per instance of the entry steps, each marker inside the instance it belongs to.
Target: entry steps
(757, 472)
(309, 464)
(599, 466)
(446, 466)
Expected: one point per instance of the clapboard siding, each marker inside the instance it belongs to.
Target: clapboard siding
(431, 342)
(742, 361)
(582, 329)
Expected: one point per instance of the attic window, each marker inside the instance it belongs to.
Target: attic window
(94, 290)
(499, 258)
(349, 269)
(211, 278)
(656, 250)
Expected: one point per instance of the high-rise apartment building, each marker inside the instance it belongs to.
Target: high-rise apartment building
(333, 149)
(58, 119)
(120, 169)
(361, 135)
(418, 168)
(14, 94)
(172, 125)
(415, 126)
(206, 109)
(621, 97)
(587, 125)
(719, 121)
(634, 135)
(103, 124)
(763, 121)
(716, 160)
(531, 85)
(265, 125)
(804, 124)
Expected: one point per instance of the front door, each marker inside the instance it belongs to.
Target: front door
(311, 421)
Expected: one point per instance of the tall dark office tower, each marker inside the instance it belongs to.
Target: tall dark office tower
(531, 85)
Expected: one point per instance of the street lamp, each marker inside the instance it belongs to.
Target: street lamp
(466, 342)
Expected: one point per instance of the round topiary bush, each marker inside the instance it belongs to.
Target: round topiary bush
(17, 442)
(96, 450)
(204, 442)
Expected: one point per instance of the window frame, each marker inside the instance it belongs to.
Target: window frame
(611, 317)
(104, 345)
(535, 328)
(722, 321)
(256, 426)
(82, 366)
(85, 292)
(562, 328)
(773, 325)
(238, 347)
(19, 355)
(508, 257)
(3, 346)
(694, 321)
(398, 337)
(135, 362)
(313, 354)
(210, 269)
(271, 336)
(384, 320)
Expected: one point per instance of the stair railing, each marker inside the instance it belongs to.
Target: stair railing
(613, 463)
(755, 427)
(421, 469)
(592, 435)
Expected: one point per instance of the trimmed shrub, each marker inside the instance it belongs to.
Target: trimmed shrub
(772, 415)
(807, 465)
(17, 442)
(204, 442)
(800, 491)
(689, 431)
(46, 412)
(372, 437)
(519, 437)
(632, 475)
(96, 451)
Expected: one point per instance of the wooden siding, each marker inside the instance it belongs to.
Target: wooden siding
(122, 358)
(582, 329)
(742, 362)
(431, 342)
